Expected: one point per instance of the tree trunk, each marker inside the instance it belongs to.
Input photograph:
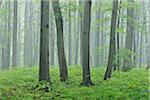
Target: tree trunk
(77, 38)
(52, 49)
(118, 38)
(69, 37)
(44, 42)
(81, 29)
(14, 53)
(97, 39)
(112, 51)
(129, 37)
(6, 41)
(60, 41)
(0, 3)
(27, 36)
(85, 36)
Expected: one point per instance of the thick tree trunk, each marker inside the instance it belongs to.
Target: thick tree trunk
(14, 53)
(44, 42)
(60, 41)
(129, 38)
(112, 51)
(85, 38)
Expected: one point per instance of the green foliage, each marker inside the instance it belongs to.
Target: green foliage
(70, 7)
(120, 30)
(124, 53)
(128, 4)
(18, 84)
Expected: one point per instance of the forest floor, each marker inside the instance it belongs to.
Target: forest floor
(20, 83)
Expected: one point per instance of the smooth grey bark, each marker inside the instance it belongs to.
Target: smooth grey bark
(102, 39)
(112, 51)
(0, 3)
(27, 37)
(85, 38)
(147, 51)
(77, 39)
(6, 45)
(97, 39)
(60, 41)
(52, 42)
(37, 39)
(44, 42)
(81, 29)
(148, 27)
(129, 37)
(141, 39)
(14, 53)
(70, 37)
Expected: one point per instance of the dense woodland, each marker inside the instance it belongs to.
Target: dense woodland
(84, 45)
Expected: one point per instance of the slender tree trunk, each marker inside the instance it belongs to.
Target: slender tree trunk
(52, 49)
(60, 41)
(0, 3)
(86, 43)
(141, 39)
(112, 51)
(148, 65)
(118, 38)
(77, 39)
(44, 42)
(102, 39)
(6, 44)
(14, 53)
(69, 37)
(52, 45)
(27, 38)
(81, 29)
(97, 39)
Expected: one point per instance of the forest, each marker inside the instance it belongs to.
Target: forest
(74, 49)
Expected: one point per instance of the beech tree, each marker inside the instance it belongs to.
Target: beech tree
(14, 53)
(85, 38)
(112, 45)
(60, 41)
(127, 64)
(44, 42)
(27, 37)
(6, 40)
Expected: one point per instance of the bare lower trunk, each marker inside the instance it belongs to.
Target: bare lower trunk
(86, 44)
(129, 38)
(60, 41)
(44, 42)
(112, 52)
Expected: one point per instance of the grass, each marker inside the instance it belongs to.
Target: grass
(18, 84)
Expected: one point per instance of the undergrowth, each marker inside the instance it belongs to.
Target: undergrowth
(20, 83)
